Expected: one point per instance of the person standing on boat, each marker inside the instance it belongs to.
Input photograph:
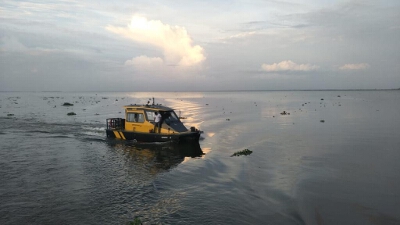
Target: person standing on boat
(157, 122)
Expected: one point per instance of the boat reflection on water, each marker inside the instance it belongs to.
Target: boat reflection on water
(156, 157)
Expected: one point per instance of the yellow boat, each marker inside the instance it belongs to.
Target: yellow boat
(139, 125)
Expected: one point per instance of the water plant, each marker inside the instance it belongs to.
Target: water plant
(136, 221)
(67, 104)
(243, 152)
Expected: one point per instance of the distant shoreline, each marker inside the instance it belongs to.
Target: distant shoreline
(215, 90)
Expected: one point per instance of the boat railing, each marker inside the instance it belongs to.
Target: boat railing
(115, 123)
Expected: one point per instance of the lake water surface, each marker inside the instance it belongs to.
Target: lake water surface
(333, 159)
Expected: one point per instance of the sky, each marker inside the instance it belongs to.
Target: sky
(176, 45)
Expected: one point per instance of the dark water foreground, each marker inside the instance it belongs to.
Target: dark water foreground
(334, 158)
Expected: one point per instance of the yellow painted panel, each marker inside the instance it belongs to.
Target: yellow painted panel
(139, 127)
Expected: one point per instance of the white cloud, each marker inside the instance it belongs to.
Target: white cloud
(243, 35)
(288, 66)
(143, 62)
(360, 66)
(174, 41)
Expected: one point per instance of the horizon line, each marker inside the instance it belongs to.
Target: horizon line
(238, 90)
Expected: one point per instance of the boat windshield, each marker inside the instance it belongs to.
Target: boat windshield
(170, 116)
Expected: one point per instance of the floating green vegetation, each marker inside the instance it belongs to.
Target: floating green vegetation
(67, 104)
(71, 114)
(243, 152)
(136, 221)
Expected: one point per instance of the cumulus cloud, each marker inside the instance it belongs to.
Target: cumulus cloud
(287, 66)
(360, 66)
(174, 41)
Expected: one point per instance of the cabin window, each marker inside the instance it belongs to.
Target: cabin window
(135, 117)
(172, 116)
(150, 115)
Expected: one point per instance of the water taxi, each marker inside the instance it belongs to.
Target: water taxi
(140, 125)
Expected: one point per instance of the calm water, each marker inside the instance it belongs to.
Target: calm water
(334, 160)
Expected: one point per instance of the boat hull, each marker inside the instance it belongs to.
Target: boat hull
(153, 137)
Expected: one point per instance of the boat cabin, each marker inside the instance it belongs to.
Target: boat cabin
(139, 122)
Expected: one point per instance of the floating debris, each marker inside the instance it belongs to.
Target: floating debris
(71, 114)
(243, 152)
(322, 121)
(67, 104)
(10, 114)
(285, 113)
(228, 119)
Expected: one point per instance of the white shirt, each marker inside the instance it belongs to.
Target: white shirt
(157, 118)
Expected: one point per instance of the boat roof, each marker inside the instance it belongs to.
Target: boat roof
(153, 107)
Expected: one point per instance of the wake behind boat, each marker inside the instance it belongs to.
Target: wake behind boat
(141, 124)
